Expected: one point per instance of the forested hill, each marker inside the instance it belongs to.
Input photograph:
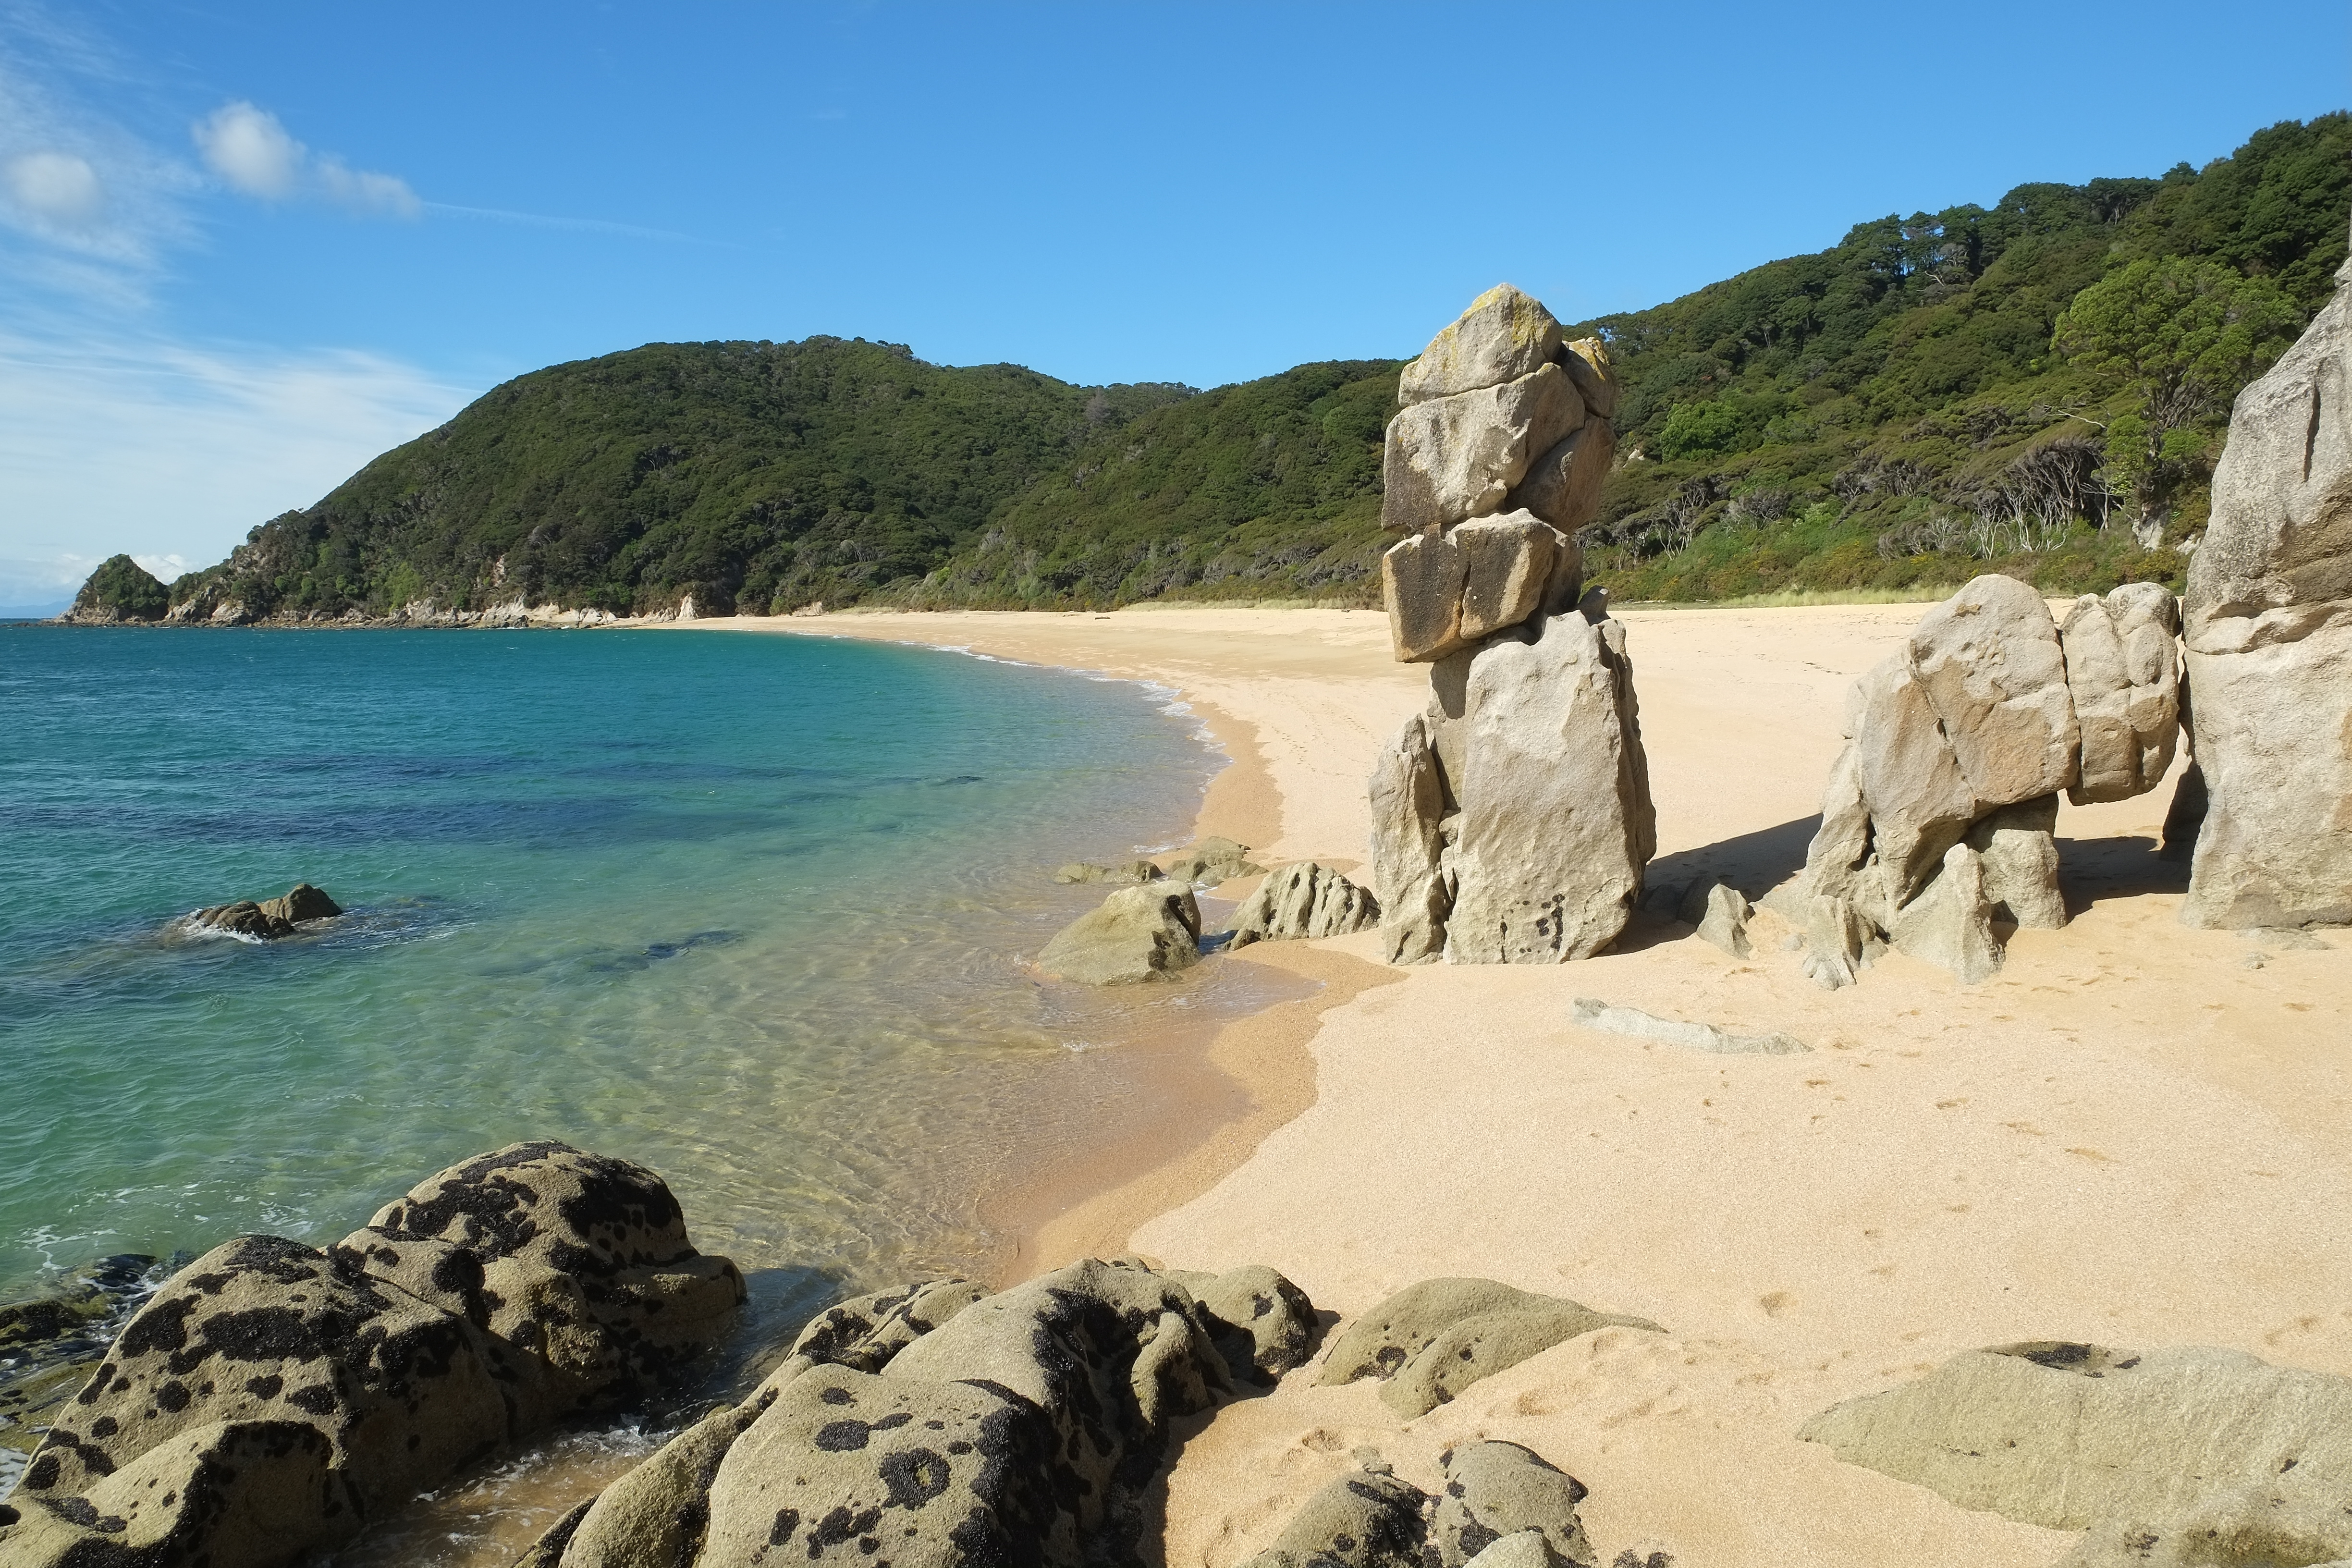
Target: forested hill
(2039, 387)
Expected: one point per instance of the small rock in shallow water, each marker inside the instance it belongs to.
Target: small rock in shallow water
(271, 918)
(1138, 934)
(1125, 872)
(1212, 861)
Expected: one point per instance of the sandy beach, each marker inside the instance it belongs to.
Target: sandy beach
(2135, 1134)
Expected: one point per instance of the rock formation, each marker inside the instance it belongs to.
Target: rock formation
(271, 1398)
(1512, 818)
(1212, 861)
(271, 918)
(120, 592)
(945, 1425)
(1957, 749)
(1430, 1341)
(1304, 899)
(2269, 634)
(1128, 872)
(2179, 1457)
(1138, 934)
(1501, 1506)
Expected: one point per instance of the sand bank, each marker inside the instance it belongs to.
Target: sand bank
(2128, 1136)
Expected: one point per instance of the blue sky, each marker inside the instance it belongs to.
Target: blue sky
(243, 248)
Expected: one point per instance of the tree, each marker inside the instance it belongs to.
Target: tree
(2184, 334)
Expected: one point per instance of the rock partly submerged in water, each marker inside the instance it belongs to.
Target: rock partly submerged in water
(1138, 934)
(1131, 873)
(269, 919)
(1212, 861)
(272, 1397)
(942, 1424)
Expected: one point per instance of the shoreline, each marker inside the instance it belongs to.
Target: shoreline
(1219, 1092)
(2132, 1135)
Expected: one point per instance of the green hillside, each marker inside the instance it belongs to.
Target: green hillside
(747, 475)
(2005, 389)
(2039, 387)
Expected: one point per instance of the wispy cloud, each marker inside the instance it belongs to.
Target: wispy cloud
(84, 204)
(253, 154)
(171, 452)
(580, 225)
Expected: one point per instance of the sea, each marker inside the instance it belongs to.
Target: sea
(752, 911)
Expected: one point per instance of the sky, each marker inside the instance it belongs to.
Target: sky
(246, 248)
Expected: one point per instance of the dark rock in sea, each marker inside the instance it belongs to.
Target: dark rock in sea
(272, 1397)
(119, 591)
(943, 1425)
(271, 918)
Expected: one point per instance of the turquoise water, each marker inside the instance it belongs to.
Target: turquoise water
(749, 910)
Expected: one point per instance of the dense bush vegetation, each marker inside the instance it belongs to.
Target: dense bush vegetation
(2039, 387)
(124, 588)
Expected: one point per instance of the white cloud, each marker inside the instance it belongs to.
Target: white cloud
(252, 154)
(96, 203)
(250, 150)
(171, 452)
(56, 187)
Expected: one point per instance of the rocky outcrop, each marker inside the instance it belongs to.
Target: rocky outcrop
(1500, 1505)
(1212, 861)
(1512, 819)
(1368, 1520)
(1430, 1341)
(120, 593)
(2124, 673)
(1723, 913)
(268, 919)
(1409, 839)
(1964, 741)
(1551, 825)
(271, 1398)
(1127, 872)
(1138, 934)
(2268, 625)
(2188, 1456)
(1302, 900)
(944, 1425)
(1449, 591)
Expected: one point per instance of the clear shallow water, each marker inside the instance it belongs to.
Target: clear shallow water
(749, 910)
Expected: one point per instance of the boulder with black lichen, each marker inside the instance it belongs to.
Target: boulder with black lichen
(311, 1390)
(953, 1426)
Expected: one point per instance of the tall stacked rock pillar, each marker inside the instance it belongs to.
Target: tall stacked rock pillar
(2269, 634)
(1512, 816)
